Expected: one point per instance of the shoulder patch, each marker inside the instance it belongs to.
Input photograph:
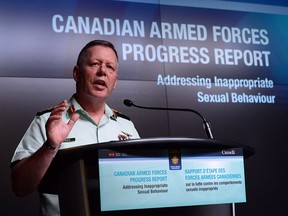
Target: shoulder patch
(50, 109)
(120, 115)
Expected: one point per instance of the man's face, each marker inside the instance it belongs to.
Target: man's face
(98, 74)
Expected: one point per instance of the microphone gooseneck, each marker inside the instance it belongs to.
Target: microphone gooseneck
(206, 124)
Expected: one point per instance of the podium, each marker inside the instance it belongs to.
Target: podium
(155, 176)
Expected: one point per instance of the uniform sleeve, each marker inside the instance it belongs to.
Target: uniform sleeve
(126, 125)
(134, 131)
(32, 140)
(129, 129)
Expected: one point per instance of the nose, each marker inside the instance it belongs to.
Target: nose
(101, 70)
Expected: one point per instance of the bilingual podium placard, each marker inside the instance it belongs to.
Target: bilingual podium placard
(170, 178)
(143, 176)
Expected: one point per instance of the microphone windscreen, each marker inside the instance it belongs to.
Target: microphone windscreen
(128, 102)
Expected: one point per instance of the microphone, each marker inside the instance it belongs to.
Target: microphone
(206, 124)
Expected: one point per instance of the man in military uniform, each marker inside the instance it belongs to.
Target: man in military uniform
(84, 119)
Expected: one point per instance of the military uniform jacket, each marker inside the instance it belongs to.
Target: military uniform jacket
(113, 126)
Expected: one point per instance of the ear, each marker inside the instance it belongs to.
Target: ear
(75, 73)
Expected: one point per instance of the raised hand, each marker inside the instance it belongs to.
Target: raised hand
(57, 130)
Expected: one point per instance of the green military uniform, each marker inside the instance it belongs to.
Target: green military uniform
(112, 126)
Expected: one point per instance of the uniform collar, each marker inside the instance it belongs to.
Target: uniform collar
(75, 107)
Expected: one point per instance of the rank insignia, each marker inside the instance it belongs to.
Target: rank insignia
(119, 114)
(71, 110)
(50, 109)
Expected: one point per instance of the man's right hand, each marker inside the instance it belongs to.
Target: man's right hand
(57, 130)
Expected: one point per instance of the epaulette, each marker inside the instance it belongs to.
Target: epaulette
(119, 114)
(50, 109)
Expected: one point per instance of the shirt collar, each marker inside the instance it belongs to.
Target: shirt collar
(74, 106)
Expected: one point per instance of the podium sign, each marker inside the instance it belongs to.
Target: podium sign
(158, 178)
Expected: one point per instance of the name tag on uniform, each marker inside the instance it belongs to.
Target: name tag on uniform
(70, 140)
